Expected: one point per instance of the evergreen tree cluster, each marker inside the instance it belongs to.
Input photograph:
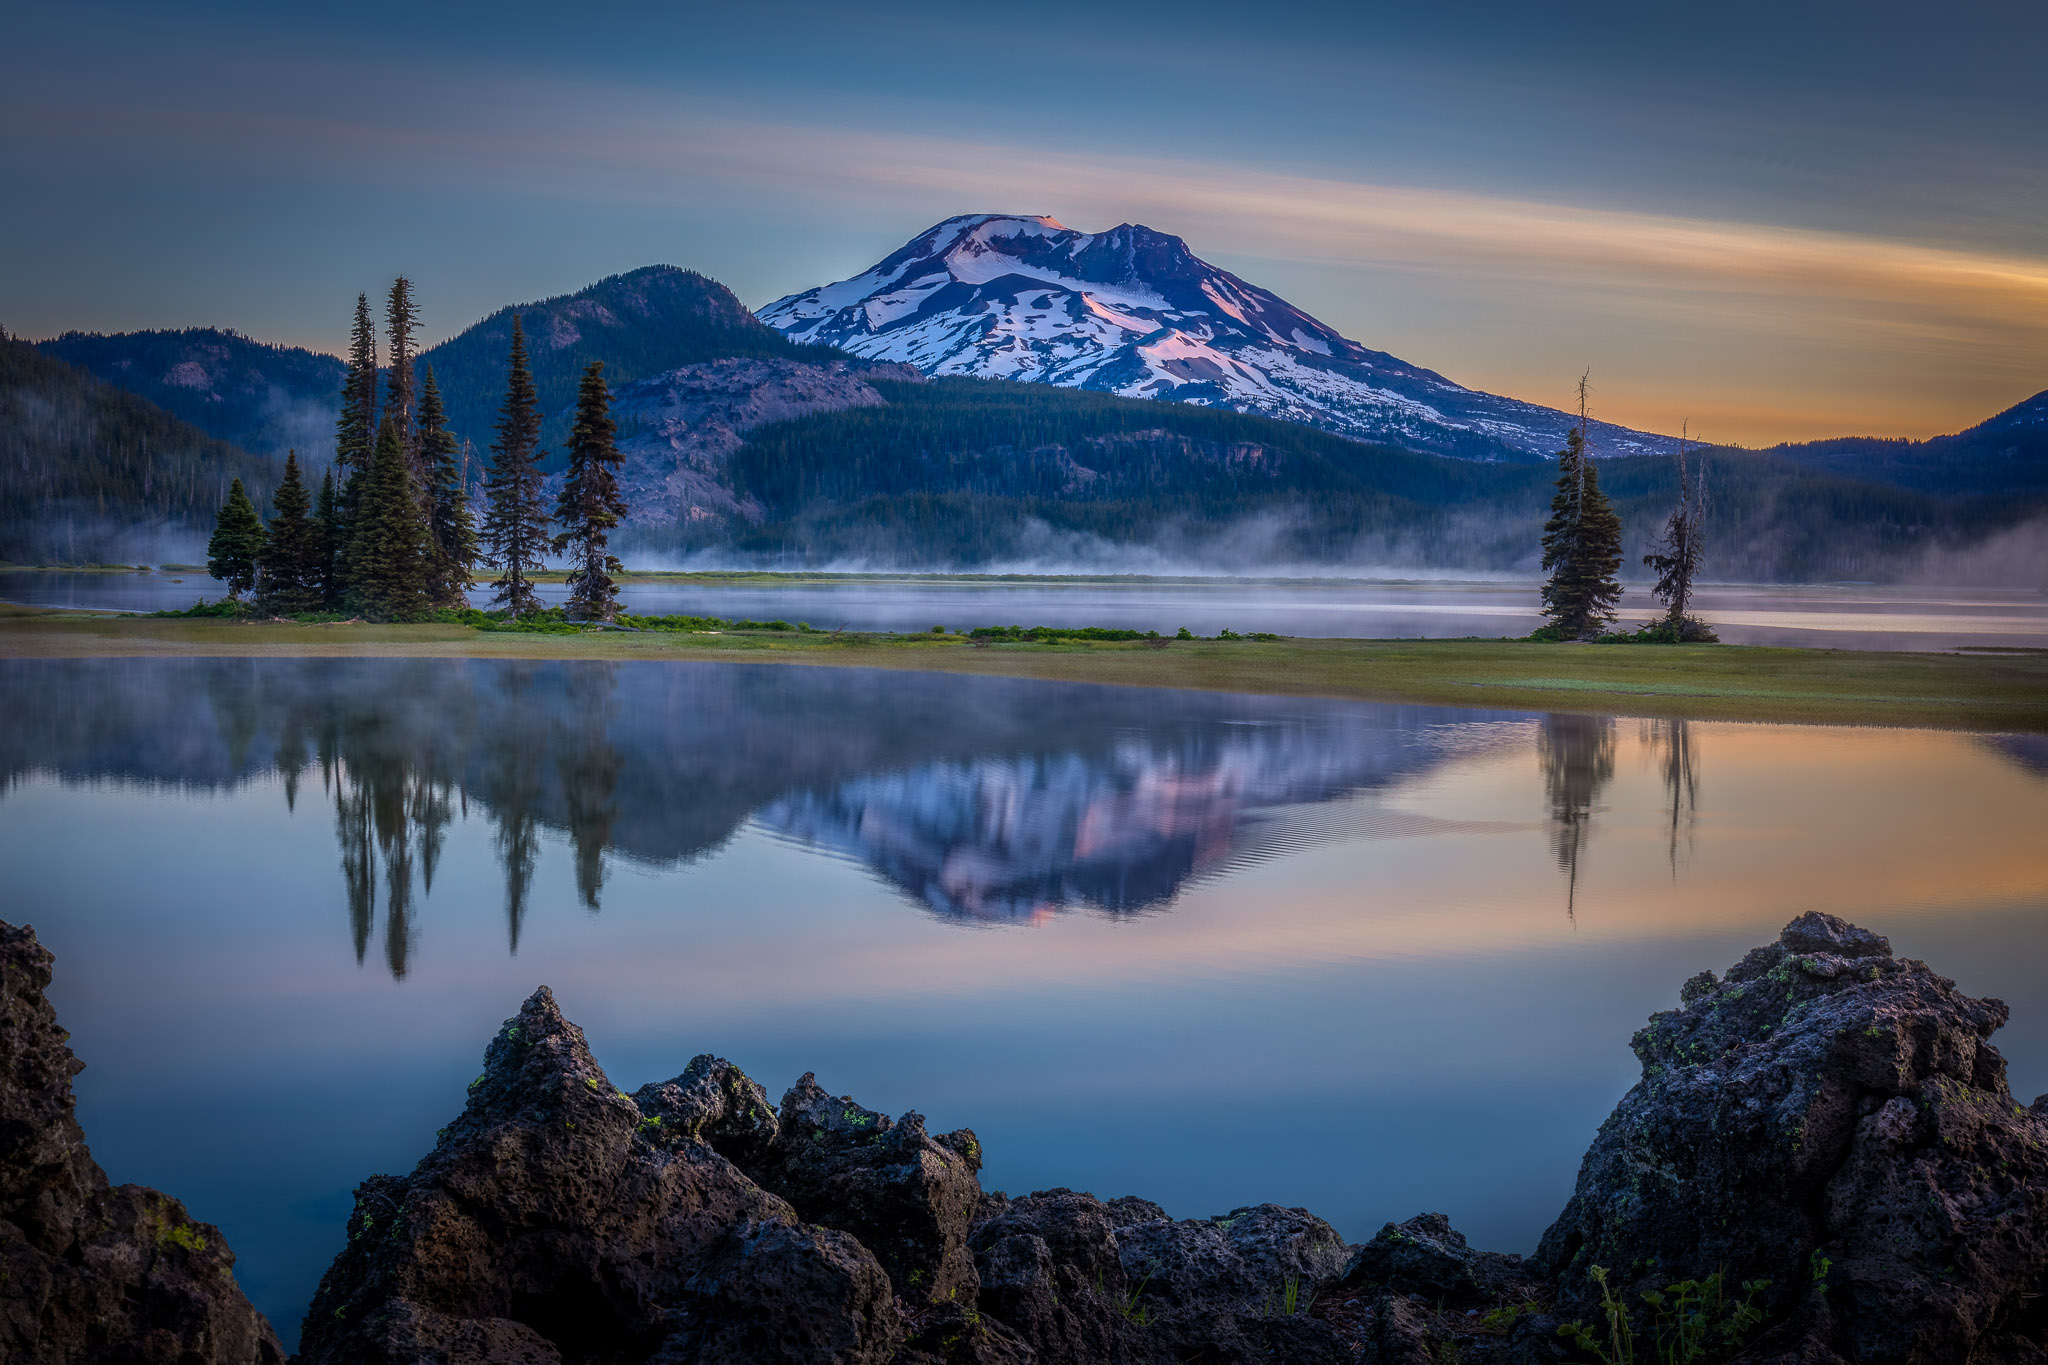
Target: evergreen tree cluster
(1581, 547)
(391, 534)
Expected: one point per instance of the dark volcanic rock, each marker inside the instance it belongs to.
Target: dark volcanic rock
(1427, 1256)
(558, 1220)
(908, 1197)
(1083, 1281)
(89, 1273)
(1833, 1120)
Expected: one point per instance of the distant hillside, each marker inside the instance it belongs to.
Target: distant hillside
(269, 398)
(965, 472)
(92, 473)
(266, 399)
(2002, 457)
(642, 323)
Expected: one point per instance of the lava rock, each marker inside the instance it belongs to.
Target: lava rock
(558, 1220)
(1833, 1121)
(712, 1102)
(910, 1198)
(1427, 1256)
(90, 1273)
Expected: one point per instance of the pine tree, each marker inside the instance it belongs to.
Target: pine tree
(355, 437)
(453, 526)
(236, 543)
(327, 518)
(590, 504)
(390, 554)
(291, 562)
(355, 432)
(515, 521)
(1677, 554)
(401, 320)
(1581, 543)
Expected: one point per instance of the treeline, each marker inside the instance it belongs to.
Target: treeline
(87, 470)
(392, 534)
(962, 472)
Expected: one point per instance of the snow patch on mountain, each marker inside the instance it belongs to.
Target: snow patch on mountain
(1134, 312)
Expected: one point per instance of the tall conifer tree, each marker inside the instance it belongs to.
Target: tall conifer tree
(1581, 543)
(327, 517)
(453, 526)
(590, 504)
(291, 563)
(390, 554)
(401, 320)
(236, 543)
(355, 438)
(355, 432)
(515, 519)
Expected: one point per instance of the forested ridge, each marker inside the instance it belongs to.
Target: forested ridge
(261, 397)
(90, 472)
(966, 471)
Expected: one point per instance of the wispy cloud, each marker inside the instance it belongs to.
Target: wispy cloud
(1761, 329)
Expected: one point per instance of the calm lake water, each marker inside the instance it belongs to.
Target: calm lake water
(1845, 616)
(1209, 949)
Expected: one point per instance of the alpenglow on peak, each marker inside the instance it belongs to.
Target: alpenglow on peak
(1132, 311)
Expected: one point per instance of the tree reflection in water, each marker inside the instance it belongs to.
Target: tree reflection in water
(978, 800)
(1577, 757)
(1672, 743)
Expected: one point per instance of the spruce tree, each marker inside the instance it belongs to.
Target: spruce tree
(355, 437)
(327, 518)
(236, 543)
(515, 520)
(401, 320)
(390, 554)
(291, 562)
(453, 526)
(1581, 547)
(590, 504)
(355, 432)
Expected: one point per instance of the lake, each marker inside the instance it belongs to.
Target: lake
(1842, 616)
(1210, 949)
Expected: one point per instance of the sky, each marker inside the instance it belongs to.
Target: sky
(1768, 221)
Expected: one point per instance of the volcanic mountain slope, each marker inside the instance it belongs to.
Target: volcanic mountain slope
(1133, 311)
(266, 399)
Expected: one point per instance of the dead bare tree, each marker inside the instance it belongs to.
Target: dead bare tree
(1678, 553)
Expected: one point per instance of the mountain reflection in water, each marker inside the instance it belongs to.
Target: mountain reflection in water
(981, 799)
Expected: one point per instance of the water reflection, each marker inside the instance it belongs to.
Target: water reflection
(981, 800)
(1577, 757)
(978, 800)
(1671, 741)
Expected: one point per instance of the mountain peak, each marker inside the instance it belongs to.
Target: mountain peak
(1132, 310)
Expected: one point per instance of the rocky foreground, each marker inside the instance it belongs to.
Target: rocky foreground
(1822, 1162)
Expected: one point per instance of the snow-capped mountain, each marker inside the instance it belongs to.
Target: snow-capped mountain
(1133, 311)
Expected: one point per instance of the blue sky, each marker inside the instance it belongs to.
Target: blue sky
(1776, 221)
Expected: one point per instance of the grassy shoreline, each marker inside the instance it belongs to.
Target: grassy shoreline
(2005, 691)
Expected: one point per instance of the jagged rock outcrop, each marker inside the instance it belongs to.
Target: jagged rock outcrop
(910, 1198)
(1083, 1281)
(91, 1274)
(1833, 1120)
(560, 1220)
(1827, 1129)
